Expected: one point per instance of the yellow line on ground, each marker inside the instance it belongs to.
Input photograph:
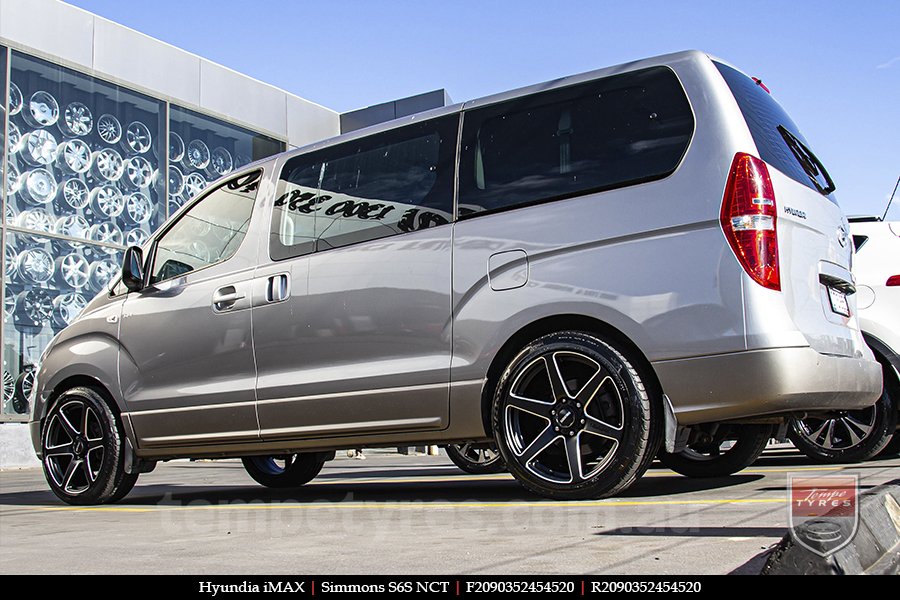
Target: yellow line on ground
(412, 505)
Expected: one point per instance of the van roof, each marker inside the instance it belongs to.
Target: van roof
(661, 60)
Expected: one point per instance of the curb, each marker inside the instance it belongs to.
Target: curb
(874, 550)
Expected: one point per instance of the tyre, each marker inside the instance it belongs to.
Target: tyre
(284, 471)
(572, 417)
(893, 446)
(850, 436)
(477, 459)
(82, 445)
(730, 449)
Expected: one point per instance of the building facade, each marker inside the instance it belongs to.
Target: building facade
(104, 133)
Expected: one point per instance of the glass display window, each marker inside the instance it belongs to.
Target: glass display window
(203, 149)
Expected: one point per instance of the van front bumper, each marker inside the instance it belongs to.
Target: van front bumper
(766, 382)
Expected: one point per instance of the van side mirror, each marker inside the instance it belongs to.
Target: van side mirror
(133, 269)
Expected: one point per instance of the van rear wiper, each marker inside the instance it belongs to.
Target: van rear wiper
(811, 164)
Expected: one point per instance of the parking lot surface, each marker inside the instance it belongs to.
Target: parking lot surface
(392, 514)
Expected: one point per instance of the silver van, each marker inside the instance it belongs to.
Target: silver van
(580, 271)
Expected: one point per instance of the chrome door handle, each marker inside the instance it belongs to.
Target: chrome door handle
(225, 298)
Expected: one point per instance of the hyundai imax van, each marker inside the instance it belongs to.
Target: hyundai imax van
(580, 271)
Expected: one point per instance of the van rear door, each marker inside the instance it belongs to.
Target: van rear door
(814, 249)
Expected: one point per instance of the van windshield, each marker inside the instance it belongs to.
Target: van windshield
(777, 137)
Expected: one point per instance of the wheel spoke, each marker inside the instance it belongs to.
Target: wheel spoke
(88, 473)
(67, 425)
(63, 450)
(557, 383)
(599, 428)
(829, 435)
(70, 472)
(537, 445)
(593, 386)
(862, 427)
(816, 435)
(529, 405)
(573, 457)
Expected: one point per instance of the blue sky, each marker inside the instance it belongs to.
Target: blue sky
(834, 65)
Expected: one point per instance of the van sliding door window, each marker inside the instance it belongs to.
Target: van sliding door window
(589, 137)
(397, 181)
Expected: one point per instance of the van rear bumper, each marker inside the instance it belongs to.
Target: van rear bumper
(766, 382)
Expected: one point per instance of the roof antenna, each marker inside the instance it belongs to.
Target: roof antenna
(884, 216)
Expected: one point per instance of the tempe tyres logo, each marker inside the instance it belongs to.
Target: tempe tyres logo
(824, 512)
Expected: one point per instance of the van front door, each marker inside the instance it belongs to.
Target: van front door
(356, 337)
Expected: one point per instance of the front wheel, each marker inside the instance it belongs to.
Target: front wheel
(728, 450)
(284, 470)
(476, 458)
(572, 417)
(82, 447)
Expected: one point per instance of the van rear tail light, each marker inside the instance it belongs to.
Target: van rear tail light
(893, 280)
(749, 219)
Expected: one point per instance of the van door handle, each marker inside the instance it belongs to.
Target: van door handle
(225, 298)
(278, 288)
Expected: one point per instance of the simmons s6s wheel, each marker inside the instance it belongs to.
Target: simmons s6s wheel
(572, 417)
(83, 449)
(729, 449)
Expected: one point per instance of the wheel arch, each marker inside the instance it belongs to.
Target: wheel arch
(564, 322)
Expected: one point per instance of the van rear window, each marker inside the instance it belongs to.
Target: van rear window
(612, 132)
(777, 137)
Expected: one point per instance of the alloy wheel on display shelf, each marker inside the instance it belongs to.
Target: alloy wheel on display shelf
(220, 162)
(15, 99)
(73, 270)
(38, 148)
(13, 138)
(42, 110)
(77, 120)
(13, 180)
(66, 307)
(39, 187)
(74, 157)
(193, 185)
(108, 165)
(101, 273)
(9, 261)
(137, 138)
(36, 305)
(138, 208)
(106, 233)
(197, 155)
(36, 220)
(73, 195)
(138, 172)
(107, 202)
(35, 265)
(136, 237)
(176, 147)
(109, 129)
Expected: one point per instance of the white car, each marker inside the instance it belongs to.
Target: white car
(850, 436)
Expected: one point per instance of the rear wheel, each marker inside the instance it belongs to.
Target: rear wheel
(82, 446)
(572, 417)
(476, 458)
(728, 450)
(853, 435)
(284, 470)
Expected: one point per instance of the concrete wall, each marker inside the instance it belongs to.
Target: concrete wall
(86, 42)
(387, 111)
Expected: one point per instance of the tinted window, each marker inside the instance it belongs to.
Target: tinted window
(600, 135)
(209, 232)
(377, 186)
(776, 136)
